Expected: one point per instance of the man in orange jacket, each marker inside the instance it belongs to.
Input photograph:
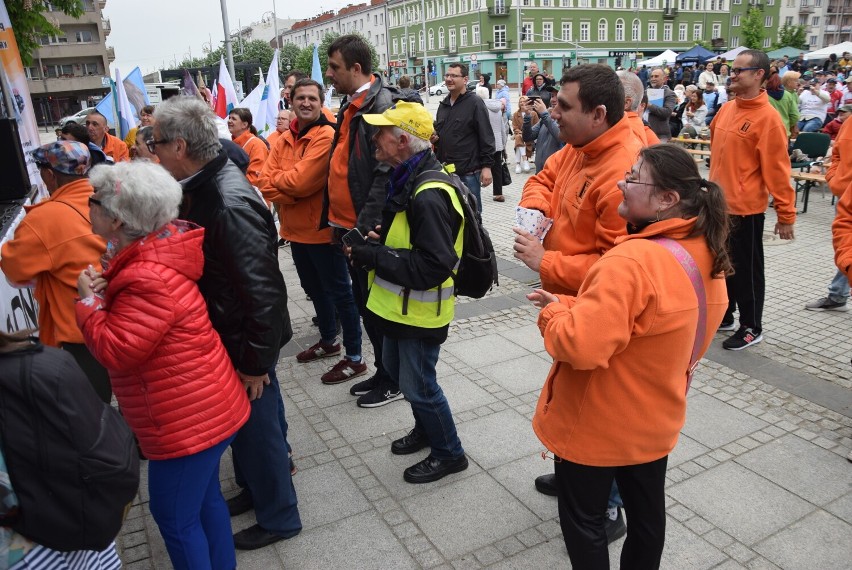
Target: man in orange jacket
(112, 146)
(577, 188)
(52, 245)
(750, 162)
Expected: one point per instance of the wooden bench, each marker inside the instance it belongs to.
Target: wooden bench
(803, 182)
(697, 152)
(691, 141)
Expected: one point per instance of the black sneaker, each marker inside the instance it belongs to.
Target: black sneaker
(741, 339)
(728, 325)
(615, 529)
(379, 396)
(413, 442)
(283, 242)
(546, 484)
(364, 386)
(826, 304)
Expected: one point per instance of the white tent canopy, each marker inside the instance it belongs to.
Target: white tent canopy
(825, 52)
(730, 55)
(667, 56)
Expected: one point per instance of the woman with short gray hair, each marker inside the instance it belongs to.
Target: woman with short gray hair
(145, 320)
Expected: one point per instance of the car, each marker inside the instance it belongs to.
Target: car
(438, 89)
(471, 85)
(79, 117)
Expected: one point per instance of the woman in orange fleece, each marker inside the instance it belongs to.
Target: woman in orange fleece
(244, 134)
(615, 399)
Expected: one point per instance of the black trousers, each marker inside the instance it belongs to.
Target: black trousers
(97, 374)
(360, 291)
(747, 286)
(497, 173)
(583, 492)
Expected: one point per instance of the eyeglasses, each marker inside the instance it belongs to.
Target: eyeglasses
(628, 180)
(152, 144)
(282, 119)
(94, 201)
(738, 70)
(452, 75)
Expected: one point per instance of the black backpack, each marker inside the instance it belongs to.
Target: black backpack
(477, 272)
(71, 458)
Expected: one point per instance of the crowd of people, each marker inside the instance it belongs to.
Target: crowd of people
(155, 263)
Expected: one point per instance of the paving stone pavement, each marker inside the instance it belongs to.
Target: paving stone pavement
(759, 478)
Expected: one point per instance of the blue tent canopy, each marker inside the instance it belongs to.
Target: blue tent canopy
(696, 53)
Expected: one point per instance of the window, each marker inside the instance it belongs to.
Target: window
(652, 4)
(637, 31)
(545, 3)
(767, 42)
(565, 4)
(813, 41)
(603, 31)
(441, 9)
(667, 33)
(735, 21)
(441, 38)
(619, 30)
(815, 21)
(735, 41)
(788, 20)
(767, 22)
(90, 68)
(584, 31)
(474, 32)
(452, 9)
(547, 32)
(698, 5)
(684, 5)
(452, 39)
(411, 44)
(717, 31)
(84, 37)
(681, 32)
(602, 4)
(431, 39)
(567, 34)
(420, 41)
(527, 32)
(697, 31)
(635, 5)
(32, 73)
(463, 36)
(463, 6)
(395, 46)
(500, 36)
(618, 3)
(738, 2)
(584, 3)
(772, 2)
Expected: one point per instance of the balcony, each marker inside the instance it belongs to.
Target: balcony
(846, 29)
(831, 28)
(806, 9)
(833, 9)
(102, 4)
(498, 11)
(56, 85)
(110, 54)
(71, 50)
(107, 27)
(669, 13)
(504, 46)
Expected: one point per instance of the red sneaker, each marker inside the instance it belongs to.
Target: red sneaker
(344, 370)
(317, 351)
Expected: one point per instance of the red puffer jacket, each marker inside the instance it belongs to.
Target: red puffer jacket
(173, 379)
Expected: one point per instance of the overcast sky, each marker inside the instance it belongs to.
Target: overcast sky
(155, 32)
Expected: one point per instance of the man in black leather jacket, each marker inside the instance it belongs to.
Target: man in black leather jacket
(247, 301)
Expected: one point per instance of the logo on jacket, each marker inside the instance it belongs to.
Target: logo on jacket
(746, 126)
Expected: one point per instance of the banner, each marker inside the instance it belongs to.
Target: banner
(136, 95)
(265, 124)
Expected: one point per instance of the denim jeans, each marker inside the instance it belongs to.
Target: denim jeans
(411, 363)
(838, 289)
(475, 186)
(325, 278)
(189, 509)
(810, 125)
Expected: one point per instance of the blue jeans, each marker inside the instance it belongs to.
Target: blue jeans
(838, 289)
(475, 186)
(189, 508)
(810, 125)
(261, 459)
(411, 363)
(325, 278)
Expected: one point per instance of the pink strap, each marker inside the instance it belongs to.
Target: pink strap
(688, 263)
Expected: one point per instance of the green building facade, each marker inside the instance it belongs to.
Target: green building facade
(501, 37)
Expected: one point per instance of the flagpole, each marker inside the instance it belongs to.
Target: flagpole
(228, 50)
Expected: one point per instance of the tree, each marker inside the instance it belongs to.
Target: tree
(29, 22)
(792, 36)
(304, 61)
(289, 54)
(752, 29)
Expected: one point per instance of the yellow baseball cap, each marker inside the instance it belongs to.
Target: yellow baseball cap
(413, 118)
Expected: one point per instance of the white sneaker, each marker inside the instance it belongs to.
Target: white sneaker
(517, 169)
(526, 166)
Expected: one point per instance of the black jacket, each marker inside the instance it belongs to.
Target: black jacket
(367, 176)
(242, 284)
(434, 226)
(465, 136)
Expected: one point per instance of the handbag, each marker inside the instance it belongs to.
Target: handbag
(688, 263)
(504, 170)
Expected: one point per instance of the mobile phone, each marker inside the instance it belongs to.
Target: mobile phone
(532, 98)
(353, 237)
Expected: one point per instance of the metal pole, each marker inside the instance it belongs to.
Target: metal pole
(425, 51)
(228, 50)
(520, 69)
(275, 25)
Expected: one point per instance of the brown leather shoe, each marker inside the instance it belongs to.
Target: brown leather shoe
(499, 198)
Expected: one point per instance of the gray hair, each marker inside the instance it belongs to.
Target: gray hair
(415, 144)
(190, 119)
(145, 134)
(143, 195)
(633, 88)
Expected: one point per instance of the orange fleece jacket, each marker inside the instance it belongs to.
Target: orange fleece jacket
(841, 229)
(615, 394)
(52, 245)
(750, 159)
(115, 148)
(637, 126)
(257, 153)
(294, 178)
(839, 175)
(650, 135)
(271, 138)
(341, 210)
(577, 188)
